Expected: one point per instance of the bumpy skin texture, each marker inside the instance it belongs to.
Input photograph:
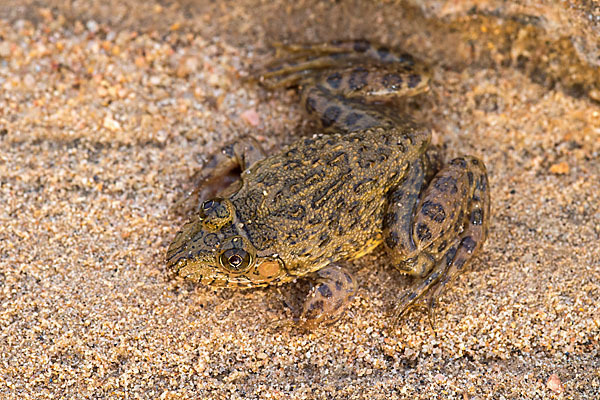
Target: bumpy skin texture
(365, 180)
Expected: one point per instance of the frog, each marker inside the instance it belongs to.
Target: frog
(368, 178)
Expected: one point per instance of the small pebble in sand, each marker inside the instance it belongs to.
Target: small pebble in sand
(562, 168)
(5, 49)
(110, 124)
(251, 117)
(92, 26)
(186, 66)
(553, 383)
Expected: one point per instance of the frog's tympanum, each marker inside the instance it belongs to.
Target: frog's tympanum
(365, 179)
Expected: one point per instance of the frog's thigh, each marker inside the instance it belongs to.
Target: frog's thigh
(332, 292)
(449, 227)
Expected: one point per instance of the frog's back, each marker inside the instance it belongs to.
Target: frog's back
(323, 198)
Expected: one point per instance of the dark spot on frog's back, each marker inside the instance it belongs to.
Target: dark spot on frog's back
(295, 212)
(326, 192)
(314, 176)
(337, 159)
(358, 78)
(294, 236)
(383, 154)
(259, 234)
(268, 178)
(308, 142)
(315, 219)
(334, 225)
(363, 185)
(330, 116)
(253, 199)
(324, 238)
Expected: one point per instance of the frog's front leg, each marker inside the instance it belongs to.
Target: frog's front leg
(329, 296)
(434, 235)
(220, 174)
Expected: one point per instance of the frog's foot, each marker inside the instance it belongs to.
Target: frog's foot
(448, 228)
(328, 298)
(220, 174)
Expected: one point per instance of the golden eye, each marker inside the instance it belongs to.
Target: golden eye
(235, 259)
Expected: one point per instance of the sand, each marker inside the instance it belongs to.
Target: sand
(108, 108)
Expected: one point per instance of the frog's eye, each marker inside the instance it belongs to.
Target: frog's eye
(235, 259)
(207, 205)
(216, 213)
(237, 254)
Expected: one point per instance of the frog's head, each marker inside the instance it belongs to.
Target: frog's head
(210, 248)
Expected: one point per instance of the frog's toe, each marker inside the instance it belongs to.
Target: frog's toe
(328, 298)
(407, 304)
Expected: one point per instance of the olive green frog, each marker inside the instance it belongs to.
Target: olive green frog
(364, 180)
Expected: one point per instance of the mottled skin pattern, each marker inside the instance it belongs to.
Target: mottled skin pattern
(367, 179)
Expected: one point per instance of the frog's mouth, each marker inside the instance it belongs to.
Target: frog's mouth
(192, 252)
(263, 272)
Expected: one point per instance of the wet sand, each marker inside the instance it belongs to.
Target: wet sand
(107, 110)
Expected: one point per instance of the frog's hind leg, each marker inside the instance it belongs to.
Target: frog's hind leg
(298, 64)
(338, 81)
(341, 100)
(449, 226)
